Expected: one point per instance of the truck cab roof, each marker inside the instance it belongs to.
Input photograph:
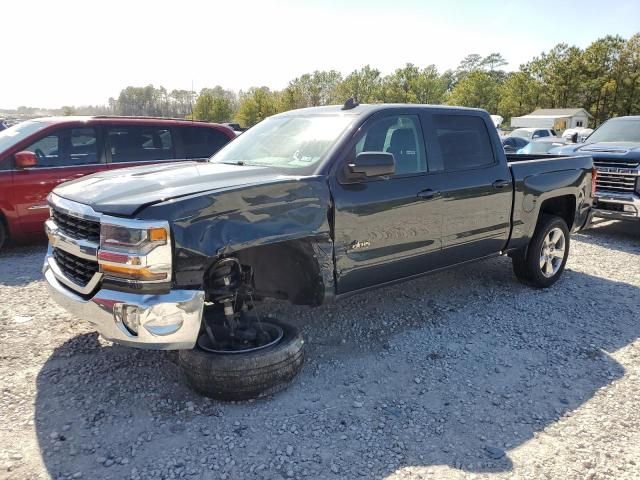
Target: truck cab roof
(369, 108)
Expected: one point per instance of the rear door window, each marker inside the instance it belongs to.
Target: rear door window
(67, 147)
(134, 143)
(202, 142)
(463, 141)
(83, 146)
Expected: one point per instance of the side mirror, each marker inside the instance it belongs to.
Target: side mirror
(26, 159)
(373, 164)
(533, 137)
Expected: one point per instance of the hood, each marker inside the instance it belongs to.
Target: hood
(623, 150)
(125, 191)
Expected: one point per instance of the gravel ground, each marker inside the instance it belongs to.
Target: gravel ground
(463, 374)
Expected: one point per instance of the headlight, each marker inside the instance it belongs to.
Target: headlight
(119, 238)
(135, 250)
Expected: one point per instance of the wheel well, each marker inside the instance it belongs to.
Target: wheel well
(563, 207)
(287, 270)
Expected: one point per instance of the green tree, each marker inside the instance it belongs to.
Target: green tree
(477, 89)
(518, 95)
(493, 61)
(215, 105)
(628, 102)
(212, 108)
(470, 63)
(603, 76)
(363, 85)
(255, 105)
(430, 87)
(313, 89)
(400, 86)
(410, 84)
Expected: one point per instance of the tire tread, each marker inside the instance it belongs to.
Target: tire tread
(245, 376)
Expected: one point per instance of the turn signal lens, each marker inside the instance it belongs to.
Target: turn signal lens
(131, 273)
(594, 177)
(158, 235)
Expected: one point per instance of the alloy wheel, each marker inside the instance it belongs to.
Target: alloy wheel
(552, 252)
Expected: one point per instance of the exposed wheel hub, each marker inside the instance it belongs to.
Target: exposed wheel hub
(232, 325)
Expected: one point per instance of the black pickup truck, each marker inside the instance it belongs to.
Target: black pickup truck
(308, 206)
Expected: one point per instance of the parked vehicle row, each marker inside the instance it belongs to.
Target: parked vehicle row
(37, 155)
(308, 206)
(576, 135)
(533, 133)
(526, 146)
(615, 148)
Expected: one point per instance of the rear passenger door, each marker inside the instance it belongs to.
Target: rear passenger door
(131, 145)
(476, 188)
(200, 142)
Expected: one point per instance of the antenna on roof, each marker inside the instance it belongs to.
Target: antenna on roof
(349, 104)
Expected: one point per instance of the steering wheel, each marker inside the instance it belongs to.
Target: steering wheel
(40, 154)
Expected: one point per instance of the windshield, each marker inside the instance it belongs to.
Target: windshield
(521, 132)
(13, 135)
(616, 130)
(289, 142)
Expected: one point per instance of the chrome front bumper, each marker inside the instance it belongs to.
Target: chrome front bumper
(166, 322)
(631, 201)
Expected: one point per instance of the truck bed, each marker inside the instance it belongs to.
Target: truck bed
(537, 178)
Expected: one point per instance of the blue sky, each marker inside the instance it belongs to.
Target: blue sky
(80, 52)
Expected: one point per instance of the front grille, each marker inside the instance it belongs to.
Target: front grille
(78, 228)
(603, 162)
(77, 269)
(611, 180)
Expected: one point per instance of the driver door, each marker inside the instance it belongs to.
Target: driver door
(63, 155)
(387, 228)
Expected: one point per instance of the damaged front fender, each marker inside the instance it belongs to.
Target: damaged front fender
(274, 227)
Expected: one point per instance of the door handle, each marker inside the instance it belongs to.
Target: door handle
(428, 194)
(501, 183)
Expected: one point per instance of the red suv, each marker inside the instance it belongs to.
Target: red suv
(39, 154)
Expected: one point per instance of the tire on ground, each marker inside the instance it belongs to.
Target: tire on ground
(242, 376)
(526, 266)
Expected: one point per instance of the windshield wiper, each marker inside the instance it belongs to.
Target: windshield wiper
(237, 162)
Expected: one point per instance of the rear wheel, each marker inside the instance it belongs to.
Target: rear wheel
(546, 256)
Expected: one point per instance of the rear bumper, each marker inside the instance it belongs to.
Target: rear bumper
(166, 322)
(617, 206)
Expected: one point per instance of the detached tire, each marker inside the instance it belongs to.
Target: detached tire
(546, 256)
(242, 376)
